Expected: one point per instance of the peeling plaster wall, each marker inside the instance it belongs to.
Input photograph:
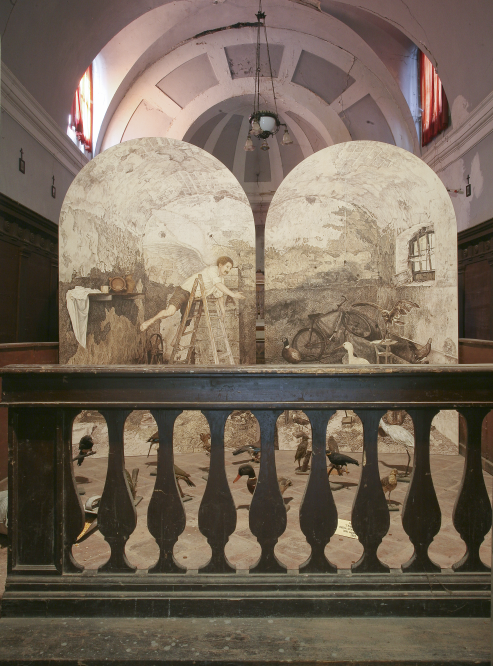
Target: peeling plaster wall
(340, 226)
(160, 210)
(478, 164)
(332, 231)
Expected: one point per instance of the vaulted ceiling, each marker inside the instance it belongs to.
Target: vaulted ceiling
(343, 71)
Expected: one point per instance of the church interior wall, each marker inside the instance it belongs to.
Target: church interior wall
(32, 188)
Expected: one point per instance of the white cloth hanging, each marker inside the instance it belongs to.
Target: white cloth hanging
(78, 309)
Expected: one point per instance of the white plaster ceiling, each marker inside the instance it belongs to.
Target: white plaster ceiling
(184, 70)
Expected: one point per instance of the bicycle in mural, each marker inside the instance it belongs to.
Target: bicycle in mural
(328, 331)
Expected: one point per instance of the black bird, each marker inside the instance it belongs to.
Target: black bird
(339, 461)
(85, 447)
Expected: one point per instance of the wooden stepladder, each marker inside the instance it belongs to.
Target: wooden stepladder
(195, 316)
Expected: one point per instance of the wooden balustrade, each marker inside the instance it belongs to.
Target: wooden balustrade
(45, 512)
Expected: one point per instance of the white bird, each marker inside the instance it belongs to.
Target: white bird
(400, 436)
(354, 360)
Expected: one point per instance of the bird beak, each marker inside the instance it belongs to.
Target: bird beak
(238, 477)
(336, 348)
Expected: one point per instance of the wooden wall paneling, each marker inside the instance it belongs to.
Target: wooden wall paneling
(9, 279)
(477, 291)
(33, 514)
(28, 275)
(475, 265)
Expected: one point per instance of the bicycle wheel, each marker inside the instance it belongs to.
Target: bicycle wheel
(309, 343)
(357, 324)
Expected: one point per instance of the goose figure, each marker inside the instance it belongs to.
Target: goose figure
(354, 360)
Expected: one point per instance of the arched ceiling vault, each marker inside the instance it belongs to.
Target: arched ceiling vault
(184, 69)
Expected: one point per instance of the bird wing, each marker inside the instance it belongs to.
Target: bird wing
(183, 476)
(243, 449)
(341, 459)
(154, 437)
(398, 433)
(402, 307)
(185, 259)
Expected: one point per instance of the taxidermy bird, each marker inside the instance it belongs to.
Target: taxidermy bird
(339, 461)
(206, 442)
(389, 482)
(290, 354)
(332, 445)
(420, 353)
(399, 435)
(85, 447)
(153, 439)
(301, 449)
(301, 420)
(181, 475)
(253, 451)
(354, 360)
(247, 470)
(402, 307)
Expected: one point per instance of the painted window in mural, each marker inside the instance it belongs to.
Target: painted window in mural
(422, 255)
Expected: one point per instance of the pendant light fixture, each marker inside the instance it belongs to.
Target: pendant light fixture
(264, 124)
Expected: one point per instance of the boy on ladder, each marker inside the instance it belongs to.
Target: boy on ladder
(213, 278)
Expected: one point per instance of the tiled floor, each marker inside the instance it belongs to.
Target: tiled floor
(242, 550)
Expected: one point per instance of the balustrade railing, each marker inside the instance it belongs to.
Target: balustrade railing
(46, 514)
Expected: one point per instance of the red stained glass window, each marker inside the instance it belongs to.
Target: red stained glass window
(81, 112)
(434, 104)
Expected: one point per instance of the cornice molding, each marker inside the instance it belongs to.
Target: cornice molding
(30, 115)
(455, 143)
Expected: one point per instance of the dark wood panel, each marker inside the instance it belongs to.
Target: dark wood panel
(477, 293)
(9, 280)
(475, 284)
(244, 387)
(28, 275)
(34, 298)
(34, 469)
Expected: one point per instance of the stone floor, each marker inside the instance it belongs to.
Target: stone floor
(242, 550)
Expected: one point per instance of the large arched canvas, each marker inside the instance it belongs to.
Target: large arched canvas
(157, 210)
(363, 233)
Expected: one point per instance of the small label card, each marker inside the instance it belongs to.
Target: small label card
(344, 528)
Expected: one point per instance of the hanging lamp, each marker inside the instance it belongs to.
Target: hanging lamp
(264, 124)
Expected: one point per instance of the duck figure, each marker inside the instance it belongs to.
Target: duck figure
(247, 470)
(290, 354)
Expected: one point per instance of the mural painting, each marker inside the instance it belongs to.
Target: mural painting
(139, 223)
(361, 263)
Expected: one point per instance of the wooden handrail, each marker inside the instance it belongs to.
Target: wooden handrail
(46, 513)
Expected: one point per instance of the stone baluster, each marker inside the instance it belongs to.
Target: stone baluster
(421, 515)
(267, 511)
(318, 513)
(472, 511)
(117, 517)
(166, 516)
(217, 512)
(370, 516)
